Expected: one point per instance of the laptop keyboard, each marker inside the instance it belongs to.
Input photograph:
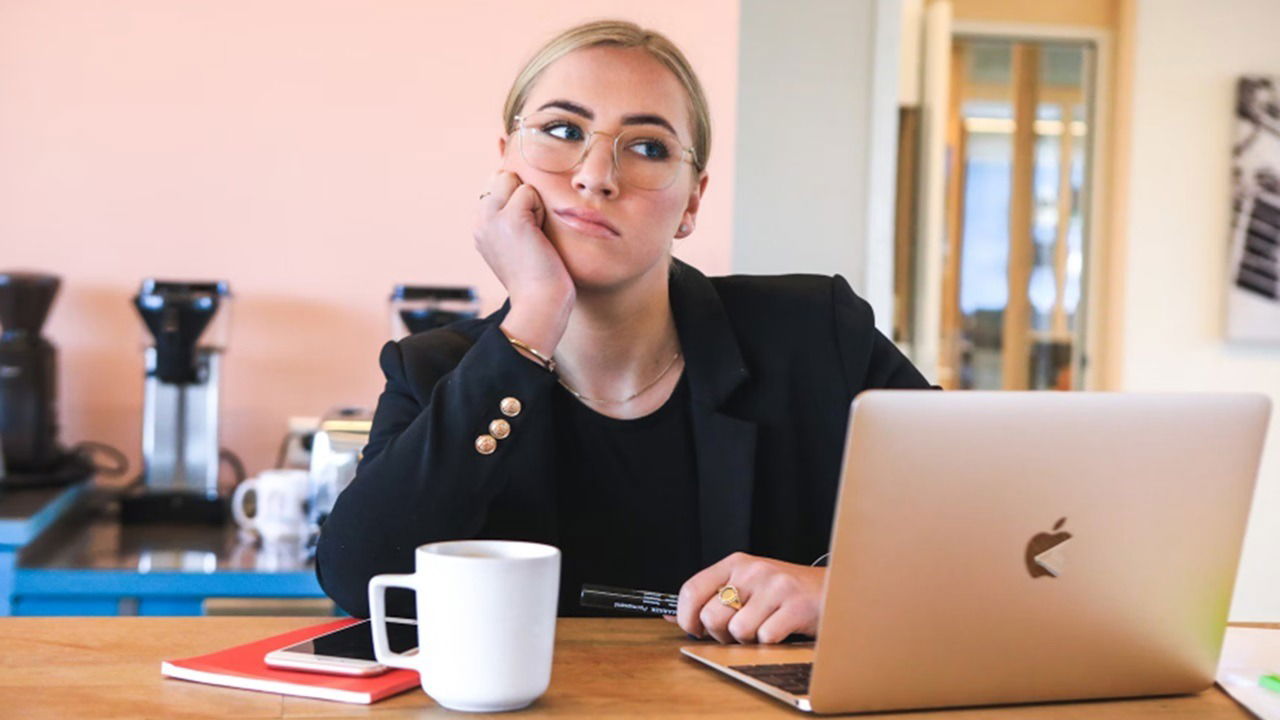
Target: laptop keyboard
(791, 677)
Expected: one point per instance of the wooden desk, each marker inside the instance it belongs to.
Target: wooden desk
(110, 668)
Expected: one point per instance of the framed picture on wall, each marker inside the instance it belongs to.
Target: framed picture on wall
(1253, 291)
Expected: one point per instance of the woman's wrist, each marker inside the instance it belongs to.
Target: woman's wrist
(530, 352)
(539, 330)
(537, 347)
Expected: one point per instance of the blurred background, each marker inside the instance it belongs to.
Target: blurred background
(1051, 195)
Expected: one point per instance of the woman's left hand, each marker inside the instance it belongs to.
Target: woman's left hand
(778, 599)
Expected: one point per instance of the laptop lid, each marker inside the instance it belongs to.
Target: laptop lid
(950, 582)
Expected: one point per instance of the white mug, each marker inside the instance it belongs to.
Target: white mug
(486, 622)
(283, 496)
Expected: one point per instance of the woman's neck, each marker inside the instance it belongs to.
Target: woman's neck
(618, 341)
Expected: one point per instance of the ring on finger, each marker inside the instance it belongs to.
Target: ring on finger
(729, 596)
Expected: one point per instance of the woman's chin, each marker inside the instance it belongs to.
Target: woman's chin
(590, 263)
(598, 265)
(592, 277)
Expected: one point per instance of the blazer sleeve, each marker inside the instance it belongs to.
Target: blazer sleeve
(870, 359)
(421, 478)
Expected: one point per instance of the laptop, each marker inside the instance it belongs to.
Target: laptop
(1011, 547)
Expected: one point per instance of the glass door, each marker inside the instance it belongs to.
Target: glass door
(1017, 182)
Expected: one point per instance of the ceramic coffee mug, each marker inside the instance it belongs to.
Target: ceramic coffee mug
(486, 622)
(282, 499)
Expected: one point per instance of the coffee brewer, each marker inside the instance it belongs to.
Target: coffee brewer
(188, 323)
(417, 308)
(29, 450)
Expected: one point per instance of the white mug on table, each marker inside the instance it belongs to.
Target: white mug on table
(282, 499)
(486, 621)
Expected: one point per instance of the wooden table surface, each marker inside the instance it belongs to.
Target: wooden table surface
(110, 668)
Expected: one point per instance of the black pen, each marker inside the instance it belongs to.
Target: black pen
(642, 602)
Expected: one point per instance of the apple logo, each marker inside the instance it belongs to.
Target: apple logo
(1040, 545)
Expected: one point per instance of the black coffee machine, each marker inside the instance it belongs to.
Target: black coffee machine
(418, 308)
(31, 455)
(187, 323)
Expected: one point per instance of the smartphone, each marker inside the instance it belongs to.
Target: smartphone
(348, 651)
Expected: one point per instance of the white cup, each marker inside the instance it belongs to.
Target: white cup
(282, 499)
(486, 622)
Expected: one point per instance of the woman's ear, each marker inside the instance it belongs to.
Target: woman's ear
(691, 209)
(502, 147)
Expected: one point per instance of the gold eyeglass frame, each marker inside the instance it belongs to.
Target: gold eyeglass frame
(687, 152)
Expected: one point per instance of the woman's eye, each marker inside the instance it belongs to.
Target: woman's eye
(562, 131)
(650, 149)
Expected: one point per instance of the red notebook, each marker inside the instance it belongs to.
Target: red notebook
(243, 667)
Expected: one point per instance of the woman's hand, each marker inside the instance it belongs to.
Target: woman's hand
(778, 599)
(508, 234)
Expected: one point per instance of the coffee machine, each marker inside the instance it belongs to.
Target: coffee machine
(418, 308)
(187, 323)
(30, 454)
(28, 421)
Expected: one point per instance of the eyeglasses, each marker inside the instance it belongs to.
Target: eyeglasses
(646, 158)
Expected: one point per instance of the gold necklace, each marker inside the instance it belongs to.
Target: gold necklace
(628, 398)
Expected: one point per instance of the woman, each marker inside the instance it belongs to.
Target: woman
(662, 428)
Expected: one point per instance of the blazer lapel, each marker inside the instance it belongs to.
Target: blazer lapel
(725, 445)
(726, 472)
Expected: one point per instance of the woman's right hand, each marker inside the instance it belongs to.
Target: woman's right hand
(508, 234)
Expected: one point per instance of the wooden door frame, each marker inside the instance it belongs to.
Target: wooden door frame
(1097, 206)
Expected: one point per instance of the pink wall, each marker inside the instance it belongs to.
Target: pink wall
(312, 153)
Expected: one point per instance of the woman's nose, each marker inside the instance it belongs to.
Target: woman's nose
(596, 173)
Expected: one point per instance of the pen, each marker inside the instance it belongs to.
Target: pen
(643, 602)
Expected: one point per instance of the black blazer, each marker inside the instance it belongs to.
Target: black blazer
(772, 364)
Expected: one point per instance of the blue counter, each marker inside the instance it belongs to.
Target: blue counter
(24, 516)
(66, 553)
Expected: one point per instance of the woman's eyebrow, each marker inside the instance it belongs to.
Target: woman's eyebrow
(637, 119)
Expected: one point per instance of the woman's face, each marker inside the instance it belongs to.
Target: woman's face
(599, 89)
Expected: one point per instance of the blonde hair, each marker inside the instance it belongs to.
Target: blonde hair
(622, 34)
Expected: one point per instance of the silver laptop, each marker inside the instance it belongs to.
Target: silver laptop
(1011, 547)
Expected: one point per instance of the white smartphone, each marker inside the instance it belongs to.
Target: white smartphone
(348, 651)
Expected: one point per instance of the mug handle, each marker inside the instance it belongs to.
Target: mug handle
(237, 503)
(378, 620)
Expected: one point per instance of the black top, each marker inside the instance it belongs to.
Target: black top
(771, 364)
(627, 496)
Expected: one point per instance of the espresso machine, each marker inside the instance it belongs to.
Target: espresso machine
(418, 308)
(187, 324)
(30, 454)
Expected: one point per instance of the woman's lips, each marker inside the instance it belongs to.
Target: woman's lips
(584, 225)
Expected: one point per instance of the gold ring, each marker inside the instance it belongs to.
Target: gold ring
(729, 596)
(483, 195)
